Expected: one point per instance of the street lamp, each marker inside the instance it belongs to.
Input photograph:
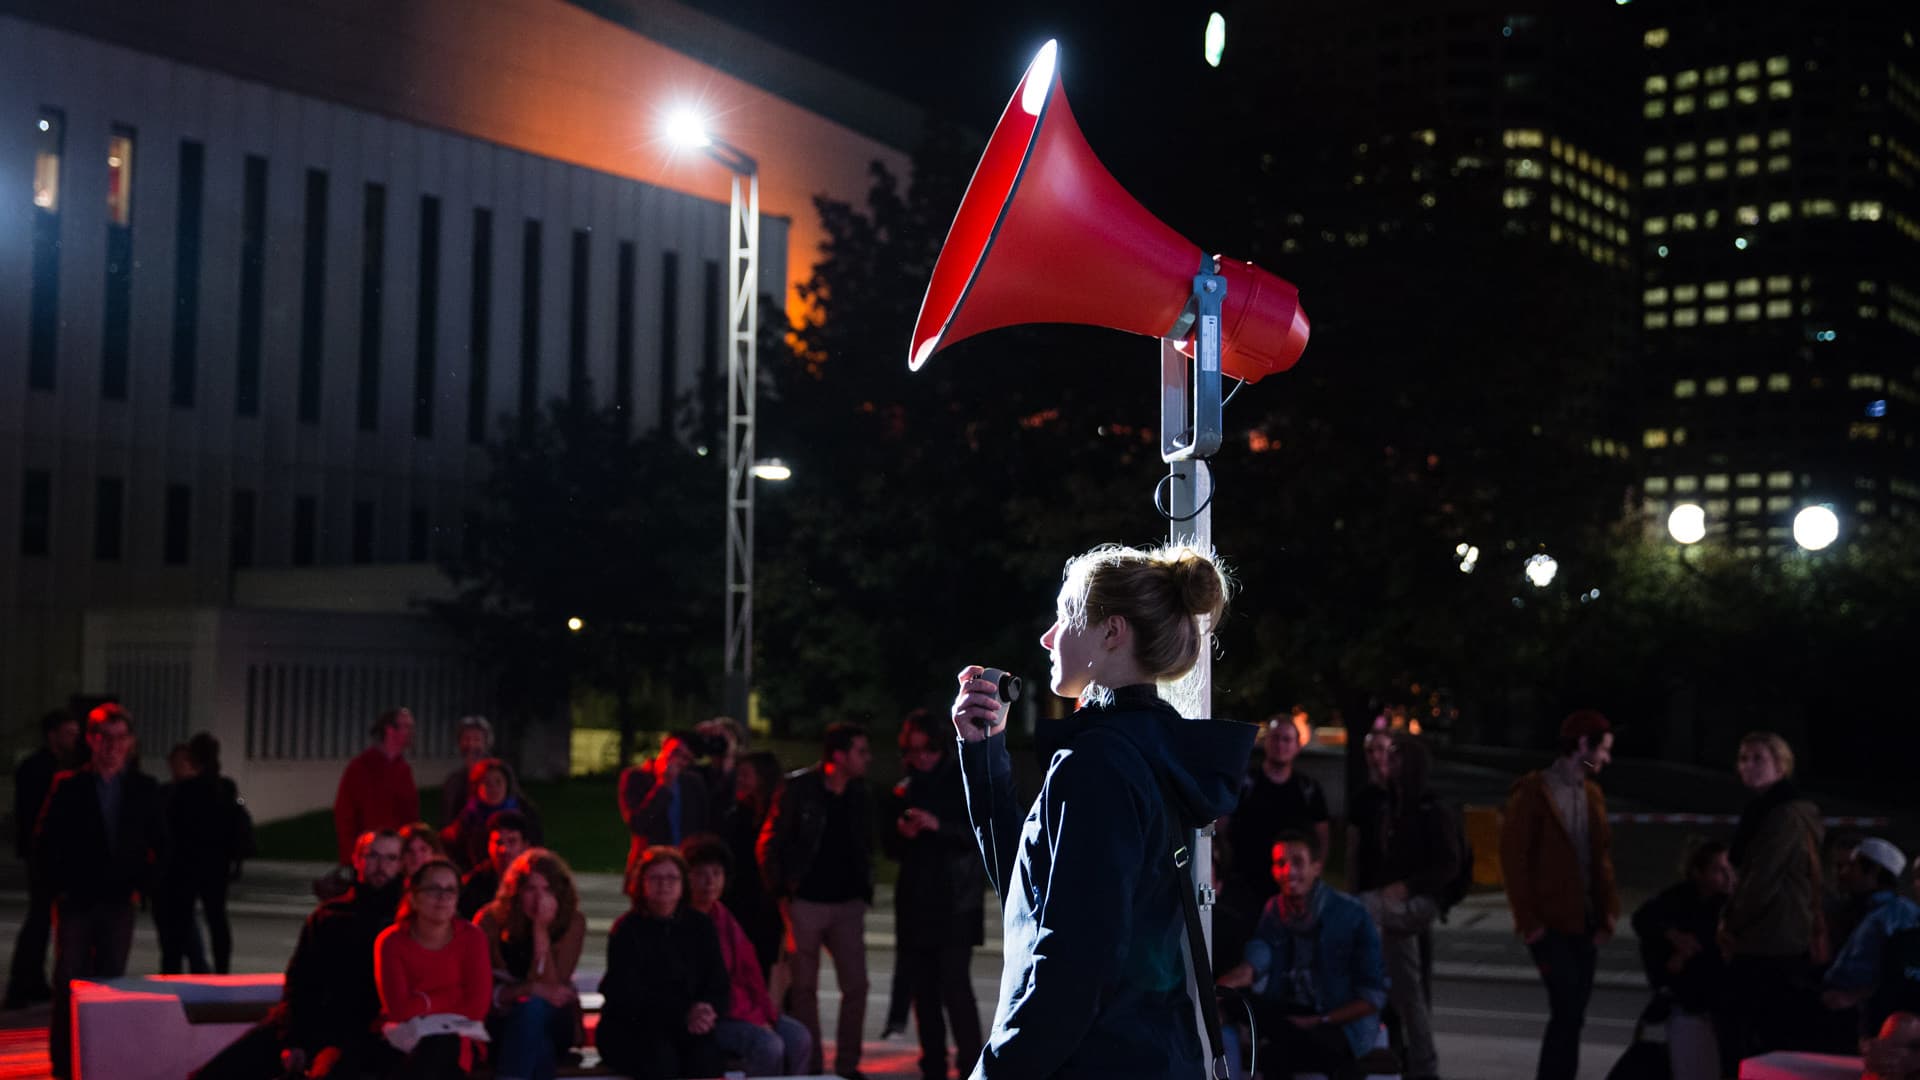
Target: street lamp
(772, 469)
(688, 129)
(1814, 527)
(1541, 568)
(1687, 524)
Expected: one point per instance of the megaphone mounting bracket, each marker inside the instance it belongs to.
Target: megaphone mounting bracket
(1190, 415)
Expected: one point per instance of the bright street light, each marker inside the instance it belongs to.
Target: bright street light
(688, 129)
(1688, 523)
(574, 624)
(1541, 568)
(1216, 41)
(772, 469)
(1814, 527)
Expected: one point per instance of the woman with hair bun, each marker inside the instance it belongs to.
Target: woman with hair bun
(1094, 982)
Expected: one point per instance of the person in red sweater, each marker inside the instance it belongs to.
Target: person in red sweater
(765, 1042)
(431, 963)
(377, 792)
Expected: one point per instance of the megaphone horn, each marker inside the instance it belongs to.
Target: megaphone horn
(1045, 234)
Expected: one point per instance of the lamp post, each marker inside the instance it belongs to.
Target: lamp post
(743, 325)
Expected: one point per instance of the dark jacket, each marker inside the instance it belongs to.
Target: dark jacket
(1775, 906)
(645, 807)
(200, 821)
(477, 889)
(1094, 983)
(70, 842)
(940, 895)
(330, 997)
(746, 894)
(791, 836)
(1410, 836)
(657, 969)
(1698, 986)
(32, 779)
(466, 838)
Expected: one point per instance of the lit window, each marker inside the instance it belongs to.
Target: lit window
(1716, 387)
(1746, 166)
(1748, 505)
(1864, 430)
(1654, 109)
(1748, 94)
(1686, 80)
(1778, 138)
(1867, 210)
(46, 160)
(1717, 313)
(1685, 388)
(1685, 294)
(1685, 484)
(1779, 211)
(120, 177)
(1655, 38)
(1523, 137)
(1515, 197)
(1679, 436)
(1779, 382)
(1654, 320)
(1779, 309)
(1717, 507)
(1654, 178)
(1554, 232)
(1716, 170)
(1653, 438)
(1746, 384)
(1867, 287)
(1716, 147)
(1717, 99)
(1746, 312)
(1749, 286)
(1714, 290)
(1818, 207)
(1716, 482)
(1686, 317)
(1655, 155)
(1716, 75)
(1782, 479)
(1683, 104)
(1686, 151)
(1776, 65)
(1747, 143)
(1656, 84)
(1747, 480)
(1685, 174)
(1685, 222)
(1656, 485)
(1747, 215)
(1865, 506)
(1865, 381)
(1867, 311)
(1780, 502)
(1779, 163)
(1747, 69)
(1656, 295)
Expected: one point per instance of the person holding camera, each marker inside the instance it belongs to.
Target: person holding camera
(1094, 982)
(664, 801)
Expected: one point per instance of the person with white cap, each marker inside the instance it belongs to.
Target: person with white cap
(1856, 970)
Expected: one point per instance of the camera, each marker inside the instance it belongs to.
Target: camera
(703, 744)
(1005, 684)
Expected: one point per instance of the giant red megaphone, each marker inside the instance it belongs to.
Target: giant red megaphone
(1045, 234)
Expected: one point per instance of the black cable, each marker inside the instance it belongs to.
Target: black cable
(1160, 502)
(1253, 1025)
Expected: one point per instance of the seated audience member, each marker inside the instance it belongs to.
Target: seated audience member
(1855, 978)
(666, 983)
(506, 839)
(329, 1002)
(1314, 966)
(1895, 1054)
(534, 932)
(1676, 930)
(418, 843)
(494, 790)
(430, 963)
(752, 1030)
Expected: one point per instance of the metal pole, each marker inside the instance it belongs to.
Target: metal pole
(743, 323)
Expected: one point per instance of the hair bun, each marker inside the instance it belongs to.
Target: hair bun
(1203, 584)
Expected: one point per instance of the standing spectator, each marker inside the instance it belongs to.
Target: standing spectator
(756, 783)
(723, 743)
(178, 933)
(1371, 802)
(938, 899)
(430, 963)
(330, 999)
(1858, 973)
(418, 843)
(99, 843)
(751, 1030)
(1314, 967)
(1275, 797)
(815, 852)
(535, 932)
(474, 743)
(663, 801)
(376, 790)
(1677, 929)
(666, 981)
(494, 789)
(207, 808)
(1772, 928)
(1409, 854)
(506, 840)
(1556, 856)
(32, 779)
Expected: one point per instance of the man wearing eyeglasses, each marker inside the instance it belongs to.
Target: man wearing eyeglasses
(99, 843)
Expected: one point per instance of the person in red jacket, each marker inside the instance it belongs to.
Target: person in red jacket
(432, 963)
(377, 792)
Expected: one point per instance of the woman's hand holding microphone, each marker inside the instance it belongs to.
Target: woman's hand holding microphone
(978, 709)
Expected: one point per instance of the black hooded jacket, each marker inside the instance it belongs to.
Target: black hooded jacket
(1094, 983)
(1408, 836)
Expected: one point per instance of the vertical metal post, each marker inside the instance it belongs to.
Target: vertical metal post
(743, 324)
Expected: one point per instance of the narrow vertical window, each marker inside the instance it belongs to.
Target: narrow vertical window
(529, 321)
(306, 527)
(109, 508)
(577, 321)
(253, 257)
(479, 321)
(623, 336)
(186, 274)
(669, 338)
(36, 512)
(44, 306)
(241, 532)
(426, 320)
(363, 531)
(417, 532)
(313, 298)
(116, 325)
(373, 252)
(177, 527)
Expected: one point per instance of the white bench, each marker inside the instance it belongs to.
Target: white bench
(1789, 1065)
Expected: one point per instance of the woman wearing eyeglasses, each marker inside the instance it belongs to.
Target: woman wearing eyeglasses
(666, 983)
(432, 968)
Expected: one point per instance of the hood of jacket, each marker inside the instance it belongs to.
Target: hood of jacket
(1199, 760)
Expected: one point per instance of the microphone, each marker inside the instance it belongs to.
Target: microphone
(1005, 684)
